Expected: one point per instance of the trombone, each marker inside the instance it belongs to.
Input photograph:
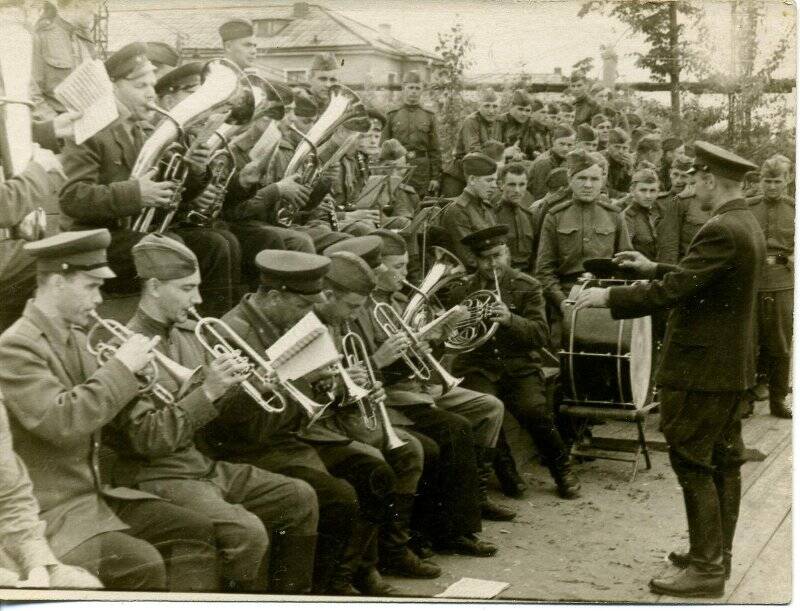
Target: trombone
(258, 367)
(420, 361)
(372, 412)
(148, 378)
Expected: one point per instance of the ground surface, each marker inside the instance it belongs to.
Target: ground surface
(608, 544)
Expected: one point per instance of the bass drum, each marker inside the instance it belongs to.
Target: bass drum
(605, 362)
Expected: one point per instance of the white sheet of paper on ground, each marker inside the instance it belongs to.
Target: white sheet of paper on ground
(88, 89)
(466, 587)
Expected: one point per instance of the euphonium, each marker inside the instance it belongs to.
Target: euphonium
(222, 89)
(476, 330)
(373, 412)
(224, 340)
(102, 351)
(445, 268)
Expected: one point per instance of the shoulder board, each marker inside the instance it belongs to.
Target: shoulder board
(559, 207)
(607, 205)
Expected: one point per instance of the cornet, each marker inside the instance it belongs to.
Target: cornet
(372, 412)
(148, 378)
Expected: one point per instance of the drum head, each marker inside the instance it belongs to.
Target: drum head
(641, 359)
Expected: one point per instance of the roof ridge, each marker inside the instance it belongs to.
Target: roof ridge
(337, 19)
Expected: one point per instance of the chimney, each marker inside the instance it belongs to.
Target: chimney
(300, 10)
(385, 28)
(557, 71)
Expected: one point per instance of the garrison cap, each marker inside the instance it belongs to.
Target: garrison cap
(374, 113)
(586, 133)
(634, 120)
(157, 256)
(553, 109)
(236, 29)
(392, 150)
(351, 273)
(618, 135)
(644, 174)
(488, 95)
(671, 143)
(682, 163)
(716, 160)
(520, 98)
(325, 62)
(578, 161)
(187, 75)
(304, 105)
(478, 164)
(493, 149)
(129, 62)
(412, 76)
(325, 240)
(536, 105)
(566, 107)
(601, 159)
(162, 53)
(562, 130)
(600, 118)
(368, 247)
(393, 244)
(776, 166)
(486, 238)
(72, 251)
(279, 92)
(291, 271)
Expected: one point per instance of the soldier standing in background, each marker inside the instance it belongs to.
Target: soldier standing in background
(415, 128)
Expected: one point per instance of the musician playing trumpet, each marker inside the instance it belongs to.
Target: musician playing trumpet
(507, 365)
(252, 510)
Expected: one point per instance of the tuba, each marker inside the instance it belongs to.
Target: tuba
(222, 91)
(148, 378)
(476, 330)
(446, 267)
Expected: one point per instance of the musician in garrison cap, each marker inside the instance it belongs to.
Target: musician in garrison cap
(239, 42)
(516, 129)
(62, 41)
(323, 74)
(403, 200)
(708, 363)
(774, 210)
(163, 56)
(473, 209)
(414, 126)
(264, 523)
(507, 365)
(620, 162)
(476, 129)
(100, 192)
(602, 125)
(59, 397)
(586, 138)
(562, 137)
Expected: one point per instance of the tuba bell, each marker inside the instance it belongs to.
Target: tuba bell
(446, 267)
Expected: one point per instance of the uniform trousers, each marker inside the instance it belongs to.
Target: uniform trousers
(483, 411)
(246, 505)
(775, 330)
(165, 547)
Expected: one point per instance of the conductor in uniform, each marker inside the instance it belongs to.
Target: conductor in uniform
(708, 362)
(414, 126)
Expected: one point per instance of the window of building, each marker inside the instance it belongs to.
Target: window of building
(296, 76)
(269, 27)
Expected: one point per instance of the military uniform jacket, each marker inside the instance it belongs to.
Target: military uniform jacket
(520, 222)
(58, 401)
(538, 172)
(619, 178)
(776, 218)
(573, 232)
(415, 128)
(680, 223)
(465, 215)
(642, 224)
(585, 109)
(709, 344)
(474, 133)
(541, 137)
(508, 352)
(513, 131)
(58, 48)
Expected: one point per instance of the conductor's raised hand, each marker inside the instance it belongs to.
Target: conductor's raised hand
(155, 194)
(635, 261)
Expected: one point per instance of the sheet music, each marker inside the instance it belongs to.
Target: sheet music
(89, 90)
(266, 143)
(467, 587)
(309, 338)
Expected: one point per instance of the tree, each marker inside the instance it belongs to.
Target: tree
(582, 68)
(659, 23)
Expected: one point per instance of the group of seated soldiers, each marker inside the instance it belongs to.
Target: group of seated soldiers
(111, 485)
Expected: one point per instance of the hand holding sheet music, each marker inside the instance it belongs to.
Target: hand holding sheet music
(88, 89)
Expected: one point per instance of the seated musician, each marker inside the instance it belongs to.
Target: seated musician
(563, 141)
(348, 284)
(163, 56)
(586, 138)
(446, 416)
(100, 193)
(251, 509)
(473, 209)
(403, 201)
(291, 284)
(512, 209)
(58, 400)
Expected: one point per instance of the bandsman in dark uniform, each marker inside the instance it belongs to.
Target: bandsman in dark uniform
(620, 163)
(563, 141)
(586, 138)
(775, 212)
(513, 209)
(708, 363)
(239, 42)
(414, 126)
(59, 398)
(682, 217)
(507, 365)
(602, 125)
(641, 215)
(265, 523)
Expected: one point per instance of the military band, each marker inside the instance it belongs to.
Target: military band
(182, 448)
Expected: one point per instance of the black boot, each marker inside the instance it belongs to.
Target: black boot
(567, 484)
(465, 545)
(779, 368)
(489, 509)
(291, 563)
(396, 556)
(367, 579)
(505, 469)
(341, 582)
(705, 575)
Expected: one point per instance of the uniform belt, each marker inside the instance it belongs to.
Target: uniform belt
(777, 260)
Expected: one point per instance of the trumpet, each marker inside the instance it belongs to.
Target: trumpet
(473, 332)
(148, 378)
(372, 412)
(420, 361)
(224, 340)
